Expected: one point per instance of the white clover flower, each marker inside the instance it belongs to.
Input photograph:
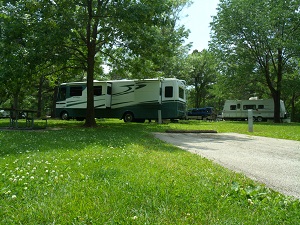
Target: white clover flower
(13, 196)
(32, 177)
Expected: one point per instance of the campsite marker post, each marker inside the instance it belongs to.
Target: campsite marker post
(159, 117)
(250, 120)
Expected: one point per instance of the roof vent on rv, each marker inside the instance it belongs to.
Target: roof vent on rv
(253, 98)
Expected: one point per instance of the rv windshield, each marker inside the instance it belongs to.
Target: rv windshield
(62, 93)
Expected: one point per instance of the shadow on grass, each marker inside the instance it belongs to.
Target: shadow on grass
(71, 135)
(63, 136)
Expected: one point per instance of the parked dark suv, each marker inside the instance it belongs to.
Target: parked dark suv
(202, 113)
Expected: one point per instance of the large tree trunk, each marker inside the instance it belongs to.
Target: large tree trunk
(276, 98)
(54, 99)
(293, 107)
(277, 93)
(40, 91)
(91, 30)
(90, 111)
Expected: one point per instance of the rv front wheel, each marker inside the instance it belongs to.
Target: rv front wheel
(128, 117)
(64, 115)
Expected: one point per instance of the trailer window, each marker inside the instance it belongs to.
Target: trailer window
(181, 93)
(246, 107)
(261, 106)
(169, 92)
(97, 90)
(109, 90)
(62, 93)
(232, 107)
(75, 91)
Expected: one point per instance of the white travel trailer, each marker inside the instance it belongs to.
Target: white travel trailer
(131, 100)
(263, 109)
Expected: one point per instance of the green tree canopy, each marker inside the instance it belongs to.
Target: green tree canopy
(266, 32)
(84, 34)
(201, 75)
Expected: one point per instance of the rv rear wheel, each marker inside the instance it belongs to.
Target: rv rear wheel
(64, 115)
(128, 117)
(259, 119)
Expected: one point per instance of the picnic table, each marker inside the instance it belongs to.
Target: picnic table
(16, 114)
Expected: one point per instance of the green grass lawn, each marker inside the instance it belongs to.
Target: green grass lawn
(118, 173)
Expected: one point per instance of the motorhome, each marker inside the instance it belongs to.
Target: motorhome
(130, 100)
(263, 109)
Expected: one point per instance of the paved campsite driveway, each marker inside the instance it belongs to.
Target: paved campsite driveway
(274, 162)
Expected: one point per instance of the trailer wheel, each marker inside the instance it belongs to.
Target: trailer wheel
(259, 119)
(128, 117)
(64, 115)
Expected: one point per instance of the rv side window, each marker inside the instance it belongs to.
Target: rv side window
(97, 90)
(62, 94)
(169, 92)
(75, 91)
(238, 106)
(261, 106)
(232, 107)
(246, 107)
(181, 93)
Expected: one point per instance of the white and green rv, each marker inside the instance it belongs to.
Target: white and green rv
(263, 109)
(130, 100)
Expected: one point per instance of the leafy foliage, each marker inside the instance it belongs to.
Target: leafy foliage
(264, 33)
(202, 76)
(49, 40)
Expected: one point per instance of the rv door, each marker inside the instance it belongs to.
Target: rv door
(108, 95)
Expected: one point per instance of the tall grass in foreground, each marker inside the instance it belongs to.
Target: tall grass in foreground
(119, 174)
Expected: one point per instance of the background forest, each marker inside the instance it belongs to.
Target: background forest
(254, 49)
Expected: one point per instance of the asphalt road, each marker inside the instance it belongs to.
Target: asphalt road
(274, 162)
